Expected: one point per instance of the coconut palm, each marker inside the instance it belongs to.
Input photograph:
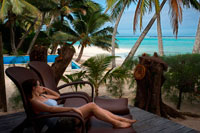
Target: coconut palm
(88, 29)
(67, 7)
(45, 6)
(117, 7)
(141, 10)
(176, 16)
(10, 10)
(196, 48)
(196, 5)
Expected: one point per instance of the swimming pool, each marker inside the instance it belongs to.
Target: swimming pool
(26, 59)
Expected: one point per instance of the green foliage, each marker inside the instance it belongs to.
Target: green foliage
(15, 100)
(96, 69)
(183, 73)
(119, 77)
(73, 78)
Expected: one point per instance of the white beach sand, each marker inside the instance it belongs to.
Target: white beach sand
(91, 51)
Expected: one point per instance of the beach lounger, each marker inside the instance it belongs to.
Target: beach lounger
(18, 75)
(44, 71)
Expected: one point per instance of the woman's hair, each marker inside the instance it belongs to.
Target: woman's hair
(28, 87)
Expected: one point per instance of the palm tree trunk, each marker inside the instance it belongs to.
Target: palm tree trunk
(54, 48)
(115, 31)
(24, 36)
(196, 48)
(80, 54)
(2, 79)
(159, 31)
(138, 42)
(12, 33)
(36, 34)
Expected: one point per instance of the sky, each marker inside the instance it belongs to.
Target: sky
(188, 27)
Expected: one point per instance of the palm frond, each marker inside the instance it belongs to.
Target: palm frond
(96, 65)
(105, 31)
(63, 36)
(176, 15)
(4, 9)
(137, 12)
(17, 6)
(194, 3)
(116, 10)
(32, 9)
(96, 20)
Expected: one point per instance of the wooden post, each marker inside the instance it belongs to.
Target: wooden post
(3, 103)
(149, 75)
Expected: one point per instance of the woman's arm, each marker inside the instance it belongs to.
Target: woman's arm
(50, 93)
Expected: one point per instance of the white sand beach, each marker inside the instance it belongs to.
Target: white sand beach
(91, 51)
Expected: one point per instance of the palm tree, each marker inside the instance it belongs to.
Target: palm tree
(67, 7)
(196, 48)
(88, 29)
(118, 8)
(176, 16)
(44, 6)
(176, 13)
(140, 10)
(196, 5)
(10, 10)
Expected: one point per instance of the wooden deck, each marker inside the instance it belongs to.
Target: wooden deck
(147, 123)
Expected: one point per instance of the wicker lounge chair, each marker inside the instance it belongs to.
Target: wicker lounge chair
(117, 106)
(18, 75)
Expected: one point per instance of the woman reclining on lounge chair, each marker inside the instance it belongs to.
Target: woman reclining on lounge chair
(43, 100)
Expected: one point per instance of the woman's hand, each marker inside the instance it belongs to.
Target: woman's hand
(77, 111)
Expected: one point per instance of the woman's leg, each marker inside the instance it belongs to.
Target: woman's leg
(93, 109)
(118, 117)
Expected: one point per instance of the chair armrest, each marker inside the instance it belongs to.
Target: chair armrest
(63, 114)
(66, 95)
(79, 82)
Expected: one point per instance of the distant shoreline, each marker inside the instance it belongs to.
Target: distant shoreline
(157, 36)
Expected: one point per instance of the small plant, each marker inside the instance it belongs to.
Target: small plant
(74, 77)
(97, 70)
(15, 100)
(119, 77)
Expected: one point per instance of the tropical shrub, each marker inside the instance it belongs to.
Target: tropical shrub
(183, 74)
(15, 100)
(73, 78)
(119, 77)
(98, 71)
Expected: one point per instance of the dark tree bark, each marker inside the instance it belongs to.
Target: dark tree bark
(80, 54)
(66, 53)
(54, 48)
(25, 35)
(36, 34)
(3, 103)
(149, 77)
(12, 32)
(38, 53)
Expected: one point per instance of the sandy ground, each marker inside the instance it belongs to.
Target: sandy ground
(91, 51)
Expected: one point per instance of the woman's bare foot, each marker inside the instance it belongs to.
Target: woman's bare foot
(127, 120)
(122, 125)
(132, 121)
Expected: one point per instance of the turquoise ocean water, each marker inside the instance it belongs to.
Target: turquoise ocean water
(149, 45)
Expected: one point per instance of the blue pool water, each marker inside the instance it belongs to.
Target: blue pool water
(26, 59)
